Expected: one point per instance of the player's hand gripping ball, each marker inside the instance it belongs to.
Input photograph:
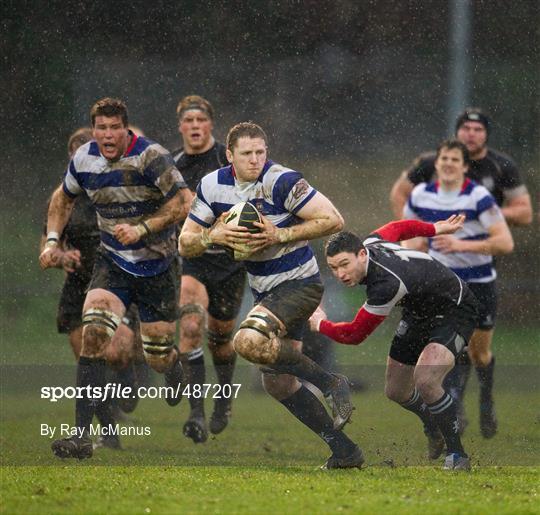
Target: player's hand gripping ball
(243, 214)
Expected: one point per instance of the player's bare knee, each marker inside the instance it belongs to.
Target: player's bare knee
(193, 319)
(99, 326)
(158, 351)
(256, 340)
(220, 341)
(247, 342)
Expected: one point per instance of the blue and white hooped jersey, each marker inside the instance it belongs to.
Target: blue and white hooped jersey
(429, 203)
(279, 193)
(127, 191)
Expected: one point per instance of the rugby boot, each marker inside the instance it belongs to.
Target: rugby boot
(353, 460)
(108, 442)
(173, 379)
(338, 399)
(195, 427)
(435, 442)
(488, 420)
(455, 461)
(221, 415)
(73, 447)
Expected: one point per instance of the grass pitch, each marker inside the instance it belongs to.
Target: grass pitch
(267, 462)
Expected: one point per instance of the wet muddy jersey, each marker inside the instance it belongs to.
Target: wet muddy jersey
(497, 172)
(279, 193)
(128, 191)
(428, 202)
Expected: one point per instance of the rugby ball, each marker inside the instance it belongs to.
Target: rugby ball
(243, 214)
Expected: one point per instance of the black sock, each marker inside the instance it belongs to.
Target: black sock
(196, 376)
(307, 408)
(224, 368)
(297, 364)
(126, 376)
(485, 378)
(444, 412)
(456, 380)
(417, 406)
(90, 372)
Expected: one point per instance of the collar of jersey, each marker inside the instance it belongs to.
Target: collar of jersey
(266, 167)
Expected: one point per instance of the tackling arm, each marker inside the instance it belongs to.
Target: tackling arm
(406, 229)
(351, 333)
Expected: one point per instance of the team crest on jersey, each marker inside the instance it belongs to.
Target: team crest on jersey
(300, 189)
(259, 204)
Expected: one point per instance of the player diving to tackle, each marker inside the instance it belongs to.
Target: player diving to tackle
(438, 319)
(139, 196)
(283, 276)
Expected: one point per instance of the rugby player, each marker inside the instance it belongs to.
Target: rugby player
(283, 276)
(212, 284)
(499, 174)
(139, 196)
(76, 254)
(468, 253)
(492, 169)
(439, 316)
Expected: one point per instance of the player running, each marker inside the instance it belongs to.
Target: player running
(283, 276)
(139, 197)
(439, 316)
(76, 254)
(212, 284)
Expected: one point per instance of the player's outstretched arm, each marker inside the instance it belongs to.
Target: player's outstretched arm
(350, 333)
(401, 230)
(320, 218)
(60, 209)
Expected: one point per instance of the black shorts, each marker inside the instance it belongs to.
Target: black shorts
(293, 302)
(69, 314)
(486, 293)
(224, 280)
(156, 296)
(452, 328)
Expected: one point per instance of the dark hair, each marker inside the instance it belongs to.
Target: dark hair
(109, 107)
(194, 102)
(343, 241)
(79, 137)
(449, 144)
(244, 130)
(473, 114)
